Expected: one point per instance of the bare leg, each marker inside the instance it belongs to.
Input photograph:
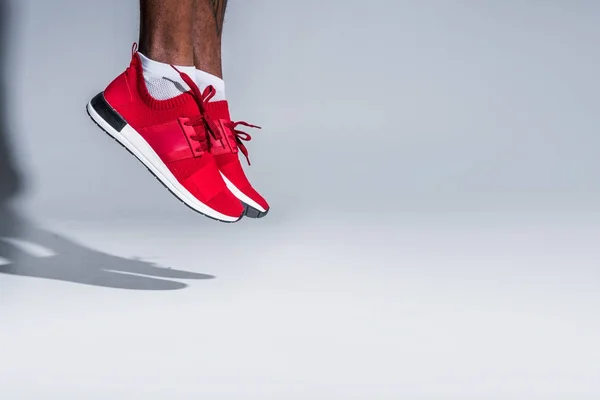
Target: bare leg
(166, 30)
(209, 16)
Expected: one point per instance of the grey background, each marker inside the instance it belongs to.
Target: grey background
(433, 175)
(400, 104)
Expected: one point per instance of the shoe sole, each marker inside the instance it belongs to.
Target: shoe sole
(252, 208)
(116, 127)
(252, 212)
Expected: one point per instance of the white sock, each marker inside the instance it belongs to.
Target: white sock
(204, 79)
(162, 81)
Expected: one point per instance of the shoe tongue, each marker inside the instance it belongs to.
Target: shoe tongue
(218, 109)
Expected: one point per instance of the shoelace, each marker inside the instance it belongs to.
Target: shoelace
(241, 135)
(201, 120)
(202, 99)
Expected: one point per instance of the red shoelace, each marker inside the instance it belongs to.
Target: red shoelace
(208, 125)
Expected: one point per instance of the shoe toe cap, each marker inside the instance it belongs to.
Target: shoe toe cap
(226, 203)
(257, 199)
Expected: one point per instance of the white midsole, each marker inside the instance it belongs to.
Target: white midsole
(135, 143)
(240, 195)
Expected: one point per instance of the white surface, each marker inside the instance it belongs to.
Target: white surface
(422, 307)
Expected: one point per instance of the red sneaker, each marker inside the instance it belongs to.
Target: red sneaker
(169, 137)
(225, 141)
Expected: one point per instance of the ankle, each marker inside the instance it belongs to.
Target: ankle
(162, 80)
(167, 51)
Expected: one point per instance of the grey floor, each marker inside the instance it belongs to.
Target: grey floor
(433, 174)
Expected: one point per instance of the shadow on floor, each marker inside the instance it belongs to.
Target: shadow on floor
(69, 262)
(34, 252)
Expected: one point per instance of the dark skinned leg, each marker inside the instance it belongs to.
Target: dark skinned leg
(209, 16)
(166, 31)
